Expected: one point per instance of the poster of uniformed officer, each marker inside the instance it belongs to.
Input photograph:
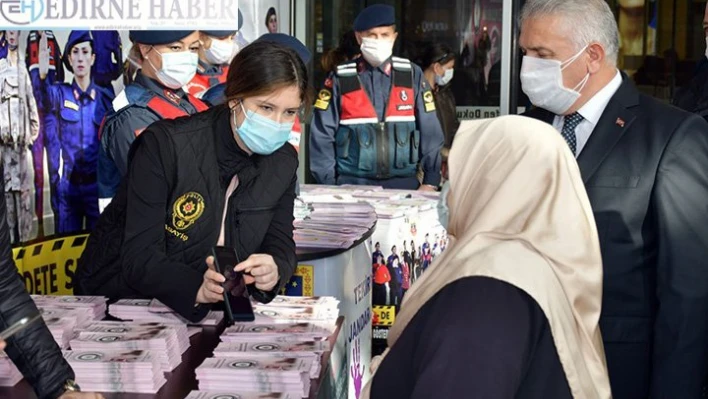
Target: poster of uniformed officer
(19, 127)
(264, 16)
(33, 68)
(74, 112)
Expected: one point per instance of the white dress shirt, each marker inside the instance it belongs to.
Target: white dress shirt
(591, 113)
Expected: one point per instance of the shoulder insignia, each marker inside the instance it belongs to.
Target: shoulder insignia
(429, 101)
(323, 99)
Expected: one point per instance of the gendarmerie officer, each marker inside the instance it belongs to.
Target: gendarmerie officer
(74, 113)
(375, 120)
(168, 60)
(214, 57)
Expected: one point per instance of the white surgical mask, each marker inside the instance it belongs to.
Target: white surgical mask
(443, 210)
(219, 52)
(542, 81)
(178, 69)
(376, 51)
(445, 78)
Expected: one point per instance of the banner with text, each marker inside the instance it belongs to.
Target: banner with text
(118, 14)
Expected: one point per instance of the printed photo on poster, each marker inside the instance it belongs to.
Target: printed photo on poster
(56, 87)
(264, 16)
(58, 92)
(472, 29)
(396, 269)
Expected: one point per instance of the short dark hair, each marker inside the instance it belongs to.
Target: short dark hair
(435, 52)
(262, 67)
(270, 13)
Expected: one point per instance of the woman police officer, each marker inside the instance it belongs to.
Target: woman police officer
(222, 177)
(159, 64)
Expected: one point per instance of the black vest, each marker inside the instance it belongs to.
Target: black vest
(195, 204)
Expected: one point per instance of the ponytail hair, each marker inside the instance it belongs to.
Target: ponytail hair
(435, 52)
(132, 64)
(348, 49)
(332, 58)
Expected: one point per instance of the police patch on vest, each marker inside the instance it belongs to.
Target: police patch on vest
(70, 105)
(186, 210)
(404, 95)
(323, 99)
(429, 101)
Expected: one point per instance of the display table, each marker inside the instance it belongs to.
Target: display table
(346, 275)
(182, 380)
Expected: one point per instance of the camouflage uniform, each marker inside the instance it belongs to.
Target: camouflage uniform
(19, 127)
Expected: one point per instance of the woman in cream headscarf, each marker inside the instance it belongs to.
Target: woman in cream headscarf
(511, 309)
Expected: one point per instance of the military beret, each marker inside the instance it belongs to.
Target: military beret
(289, 42)
(158, 36)
(374, 16)
(75, 37)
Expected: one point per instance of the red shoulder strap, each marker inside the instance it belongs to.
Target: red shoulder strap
(164, 108)
(224, 74)
(198, 104)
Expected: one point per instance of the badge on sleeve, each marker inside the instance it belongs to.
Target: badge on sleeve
(323, 99)
(429, 101)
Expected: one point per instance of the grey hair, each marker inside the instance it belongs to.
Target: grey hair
(586, 21)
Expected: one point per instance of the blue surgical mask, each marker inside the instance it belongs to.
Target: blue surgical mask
(443, 211)
(262, 135)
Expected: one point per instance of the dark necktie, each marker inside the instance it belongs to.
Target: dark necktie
(570, 122)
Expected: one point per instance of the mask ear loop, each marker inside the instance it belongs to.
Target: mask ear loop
(573, 58)
(148, 59)
(579, 87)
(243, 108)
(234, 113)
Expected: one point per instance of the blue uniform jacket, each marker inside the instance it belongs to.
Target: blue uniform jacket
(377, 84)
(128, 117)
(71, 129)
(215, 95)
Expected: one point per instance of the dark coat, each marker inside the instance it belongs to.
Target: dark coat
(153, 239)
(645, 170)
(33, 350)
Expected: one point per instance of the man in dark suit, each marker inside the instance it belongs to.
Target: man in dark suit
(645, 167)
